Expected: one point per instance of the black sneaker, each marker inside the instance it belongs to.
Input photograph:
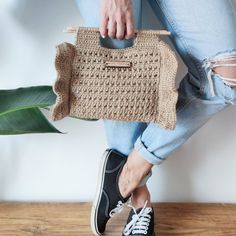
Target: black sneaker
(140, 222)
(108, 200)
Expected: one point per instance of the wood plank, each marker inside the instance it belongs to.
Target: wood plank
(72, 219)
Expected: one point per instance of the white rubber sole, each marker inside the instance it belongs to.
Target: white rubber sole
(98, 195)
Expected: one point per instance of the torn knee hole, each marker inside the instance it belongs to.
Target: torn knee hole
(223, 65)
(226, 68)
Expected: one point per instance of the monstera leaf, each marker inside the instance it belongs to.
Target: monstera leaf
(20, 110)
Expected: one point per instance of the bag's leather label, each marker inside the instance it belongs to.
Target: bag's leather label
(125, 64)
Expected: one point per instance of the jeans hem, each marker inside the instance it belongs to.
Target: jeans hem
(147, 155)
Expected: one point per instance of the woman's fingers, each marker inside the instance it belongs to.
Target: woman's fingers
(103, 26)
(111, 28)
(117, 19)
(120, 28)
(129, 27)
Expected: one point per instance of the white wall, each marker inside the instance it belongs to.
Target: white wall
(52, 167)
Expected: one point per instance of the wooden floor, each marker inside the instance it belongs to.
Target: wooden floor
(72, 219)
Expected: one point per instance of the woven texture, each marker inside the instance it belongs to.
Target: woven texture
(143, 91)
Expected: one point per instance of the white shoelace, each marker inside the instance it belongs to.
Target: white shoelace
(119, 208)
(140, 222)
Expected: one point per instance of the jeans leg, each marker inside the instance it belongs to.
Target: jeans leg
(121, 135)
(155, 144)
(197, 35)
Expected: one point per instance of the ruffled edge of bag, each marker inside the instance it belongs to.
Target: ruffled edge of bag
(168, 93)
(63, 63)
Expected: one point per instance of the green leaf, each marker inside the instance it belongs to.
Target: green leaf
(20, 113)
(23, 98)
(87, 119)
(25, 121)
(19, 110)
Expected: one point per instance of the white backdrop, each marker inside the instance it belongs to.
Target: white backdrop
(53, 167)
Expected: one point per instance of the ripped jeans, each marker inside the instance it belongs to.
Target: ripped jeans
(204, 35)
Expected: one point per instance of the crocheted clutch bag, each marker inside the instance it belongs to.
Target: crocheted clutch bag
(130, 84)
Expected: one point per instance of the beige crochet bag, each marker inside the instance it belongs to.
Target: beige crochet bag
(130, 84)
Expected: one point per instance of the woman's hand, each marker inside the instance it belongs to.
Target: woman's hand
(117, 19)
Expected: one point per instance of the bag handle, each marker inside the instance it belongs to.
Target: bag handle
(92, 35)
(72, 29)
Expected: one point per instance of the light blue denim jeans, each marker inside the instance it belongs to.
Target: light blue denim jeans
(202, 32)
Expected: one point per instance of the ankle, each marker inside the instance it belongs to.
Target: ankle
(140, 196)
(133, 172)
(129, 179)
